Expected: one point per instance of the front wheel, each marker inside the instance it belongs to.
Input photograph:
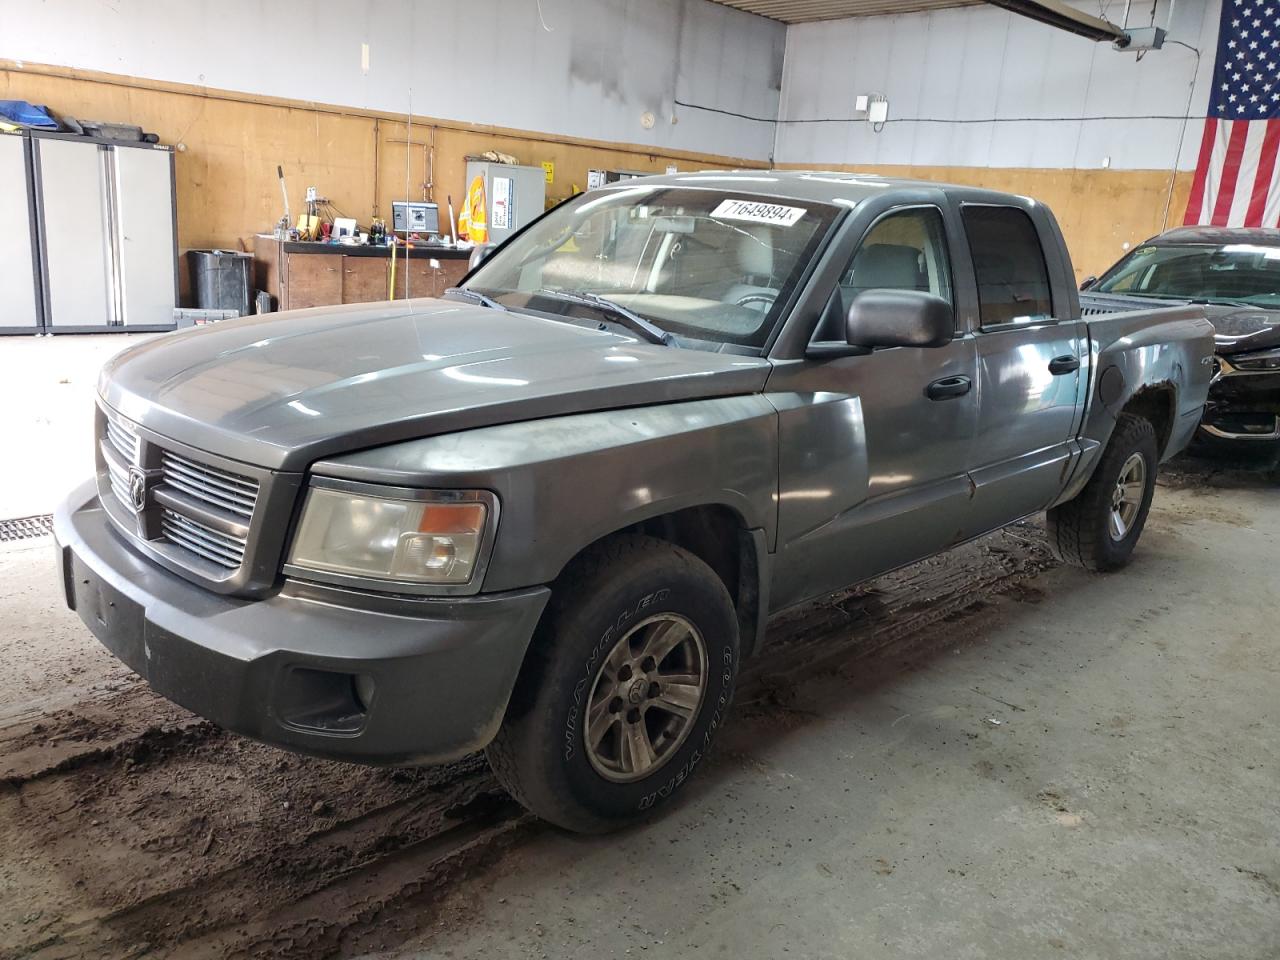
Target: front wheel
(1099, 528)
(630, 677)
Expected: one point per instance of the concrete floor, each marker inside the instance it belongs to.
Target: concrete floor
(1092, 773)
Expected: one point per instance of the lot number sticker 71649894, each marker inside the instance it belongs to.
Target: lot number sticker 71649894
(756, 212)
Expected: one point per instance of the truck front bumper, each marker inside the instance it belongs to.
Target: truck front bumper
(412, 682)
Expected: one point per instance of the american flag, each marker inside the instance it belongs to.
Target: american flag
(1236, 183)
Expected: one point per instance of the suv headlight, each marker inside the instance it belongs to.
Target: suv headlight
(359, 532)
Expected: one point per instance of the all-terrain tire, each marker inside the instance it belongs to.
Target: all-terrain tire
(1080, 530)
(612, 591)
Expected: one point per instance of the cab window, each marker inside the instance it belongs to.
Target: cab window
(1008, 263)
(906, 250)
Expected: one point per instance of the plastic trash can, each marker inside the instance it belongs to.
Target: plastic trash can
(222, 280)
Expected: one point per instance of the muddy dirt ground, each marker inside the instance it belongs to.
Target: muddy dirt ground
(130, 828)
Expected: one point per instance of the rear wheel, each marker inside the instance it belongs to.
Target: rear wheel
(1099, 528)
(629, 679)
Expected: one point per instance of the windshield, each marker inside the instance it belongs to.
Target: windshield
(1235, 273)
(704, 264)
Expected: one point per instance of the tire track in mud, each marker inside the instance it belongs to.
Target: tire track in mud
(130, 827)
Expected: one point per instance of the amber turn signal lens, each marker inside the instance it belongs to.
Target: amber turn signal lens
(452, 518)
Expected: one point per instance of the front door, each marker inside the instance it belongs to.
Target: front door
(874, 447)
(1032, 369)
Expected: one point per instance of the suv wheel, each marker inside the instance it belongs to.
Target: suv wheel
(629, 679)
(1100, 527)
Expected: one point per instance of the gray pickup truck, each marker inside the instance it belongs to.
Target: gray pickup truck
(549, 514)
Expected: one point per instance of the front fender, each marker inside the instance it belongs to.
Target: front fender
(565, 482)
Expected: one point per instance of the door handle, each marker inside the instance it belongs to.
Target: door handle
(1061, 365)
(948, 387)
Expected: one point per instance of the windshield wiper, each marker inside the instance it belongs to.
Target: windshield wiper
(624, 317)
(1224, 302)
(475, 296)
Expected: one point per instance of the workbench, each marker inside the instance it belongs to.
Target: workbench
(301, 274)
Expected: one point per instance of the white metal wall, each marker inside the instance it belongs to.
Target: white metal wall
(1008, 92)
(587, 68)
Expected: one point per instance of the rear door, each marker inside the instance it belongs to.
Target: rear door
(1032, 364)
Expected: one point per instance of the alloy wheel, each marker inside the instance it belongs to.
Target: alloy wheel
(645, 698)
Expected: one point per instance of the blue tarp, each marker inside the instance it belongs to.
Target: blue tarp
(26, 114)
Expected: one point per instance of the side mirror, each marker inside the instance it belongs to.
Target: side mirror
(899, 318)
(480, 253)
(1088, 282)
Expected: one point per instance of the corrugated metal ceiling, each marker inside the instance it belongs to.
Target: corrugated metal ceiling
(805, 11)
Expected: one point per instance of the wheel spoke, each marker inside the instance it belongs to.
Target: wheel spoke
(637, 751)
(1117, 525)
(599, 720)
(680, 699)
(1132, 492)
(665, 636)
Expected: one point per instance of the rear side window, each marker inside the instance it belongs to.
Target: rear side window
(1013, 281)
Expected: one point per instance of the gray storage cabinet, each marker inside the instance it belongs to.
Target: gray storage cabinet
(105, 233)
(514, 195)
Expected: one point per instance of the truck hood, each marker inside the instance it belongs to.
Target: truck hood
(283, 390)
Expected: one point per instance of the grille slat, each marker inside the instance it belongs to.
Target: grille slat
(214, 546)
(224, 490)
(124, 440)
(119, 481)
(221, 478)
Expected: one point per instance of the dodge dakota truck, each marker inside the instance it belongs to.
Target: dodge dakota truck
(549, 513)
(1234, 272)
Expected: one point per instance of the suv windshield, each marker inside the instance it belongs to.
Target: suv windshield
(709, 265)
(1234, 273)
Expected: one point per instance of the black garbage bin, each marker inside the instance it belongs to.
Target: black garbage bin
(222, 280)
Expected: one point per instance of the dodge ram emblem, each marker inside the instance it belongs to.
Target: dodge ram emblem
(137, 489)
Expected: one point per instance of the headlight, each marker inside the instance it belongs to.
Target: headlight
(393, 534)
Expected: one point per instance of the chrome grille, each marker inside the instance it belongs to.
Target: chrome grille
(195, 514)
(217, 488)
(213, 545)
